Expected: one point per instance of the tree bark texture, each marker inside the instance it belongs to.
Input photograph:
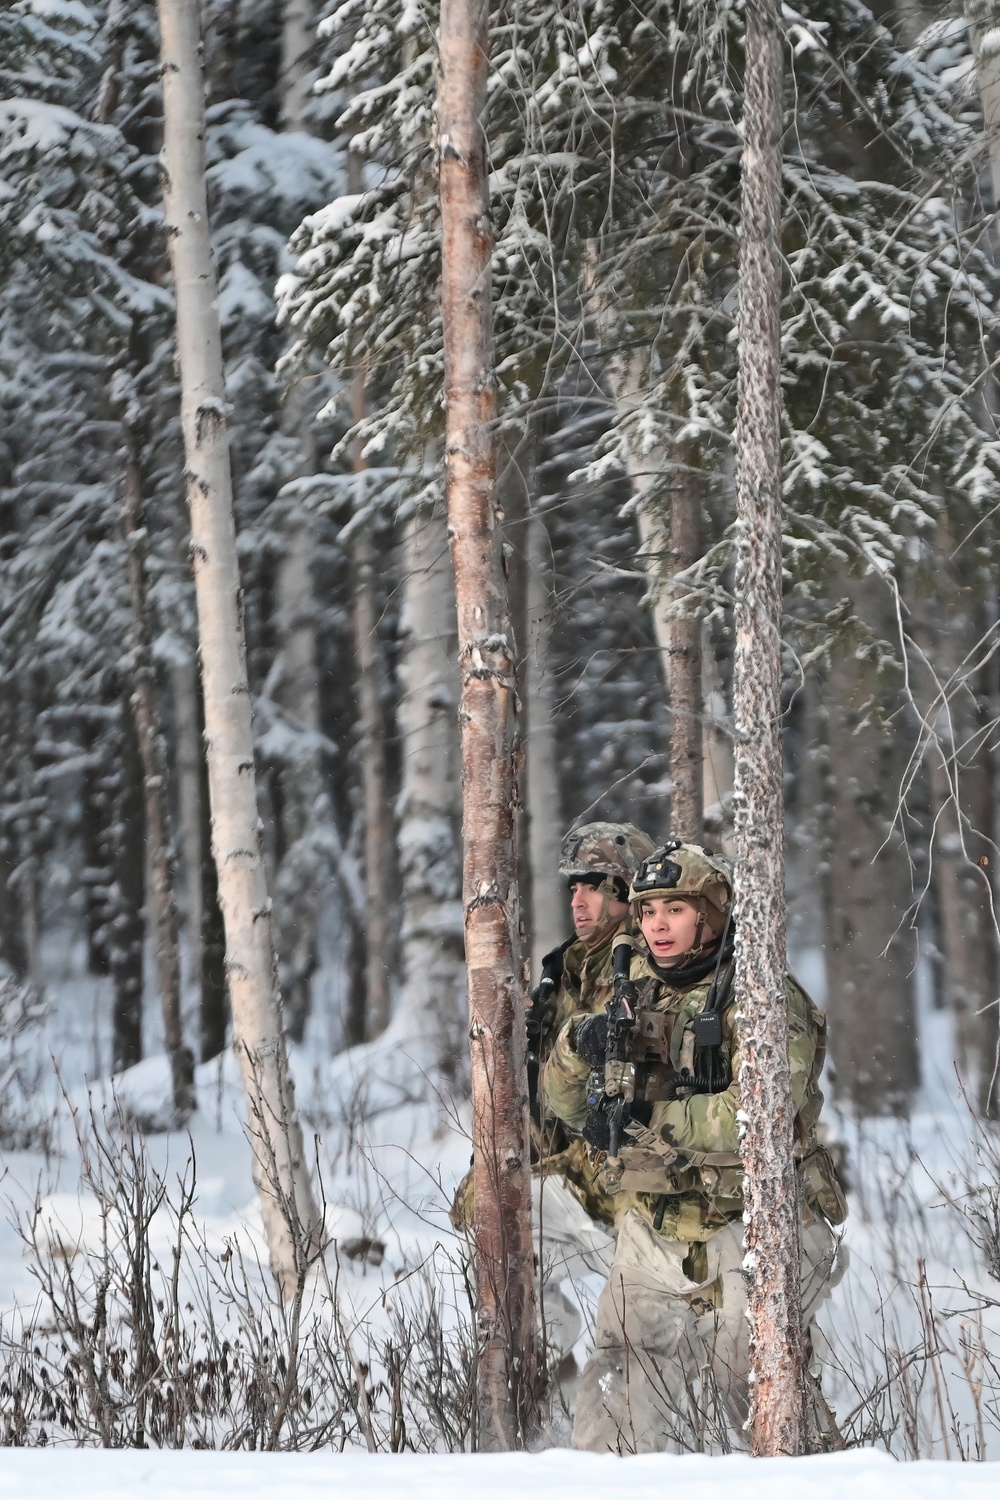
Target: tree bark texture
(771, 1190)
(291, 1222)
(432, 953)
(548, 896)
(380, 881)
(505, 1290)
(144, 704)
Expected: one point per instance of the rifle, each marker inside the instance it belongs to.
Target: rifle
(619, 1064)
(539, 1019)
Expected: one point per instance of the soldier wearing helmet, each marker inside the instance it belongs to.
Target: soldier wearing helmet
(676, 1298)
(598, 862)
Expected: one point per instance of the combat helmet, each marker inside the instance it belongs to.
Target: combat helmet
(689, 870)
(605, 855)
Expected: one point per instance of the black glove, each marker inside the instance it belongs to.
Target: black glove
(590, 1038)
(597, 1131)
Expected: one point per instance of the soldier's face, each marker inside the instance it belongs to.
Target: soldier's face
(669, 926)
(593, 910)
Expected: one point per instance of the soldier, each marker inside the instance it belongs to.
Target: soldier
(674, 1308)
(573, 1216)
(597, 862)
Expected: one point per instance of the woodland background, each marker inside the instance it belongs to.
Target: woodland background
(615, 182)
(614, 151)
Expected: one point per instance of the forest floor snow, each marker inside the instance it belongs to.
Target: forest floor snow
(911, 1337)
(555, 1475)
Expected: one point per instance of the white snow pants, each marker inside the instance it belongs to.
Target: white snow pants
(671, 1356)
(573, 1245)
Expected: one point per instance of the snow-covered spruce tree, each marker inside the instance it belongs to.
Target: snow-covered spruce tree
(70, 216)
(876, 260)
(884, 311)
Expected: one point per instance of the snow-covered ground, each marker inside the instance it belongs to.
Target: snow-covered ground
(911, 1344)
(555, 1475)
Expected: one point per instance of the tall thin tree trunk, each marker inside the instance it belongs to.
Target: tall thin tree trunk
(302, 806)
(771, 1188)
(379, 850)
(983, 17)
(146, 720)
(717, 746)
(505, 1277)
(548, 899)
(291, 1222)
(664, 555)
(214, 1008)
(188, 759)
(298, 38)
(24, 881)
(870, 950)
(429, 804)
(685, 670)
(125, 835)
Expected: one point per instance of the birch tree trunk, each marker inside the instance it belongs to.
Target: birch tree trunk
(433, 968)
(159, 845)
(505, 1290)
(983, 17)
(291, 1222)
(771, 1190)
(298, 37)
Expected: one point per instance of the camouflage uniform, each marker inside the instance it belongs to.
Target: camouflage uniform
(676, 1298)
(572, 1212)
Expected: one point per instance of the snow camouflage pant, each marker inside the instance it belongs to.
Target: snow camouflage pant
(573, 1245)
(665, 1344)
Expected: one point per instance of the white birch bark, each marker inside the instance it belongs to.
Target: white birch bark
(505, 1277)
(770, 1191)
(280, 1172)
(541, 769)
(433, 967)
(983, 17)
(298, 40)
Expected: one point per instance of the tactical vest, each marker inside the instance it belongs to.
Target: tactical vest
(703, 1190)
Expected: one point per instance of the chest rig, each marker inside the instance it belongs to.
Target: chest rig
(656, 1054)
